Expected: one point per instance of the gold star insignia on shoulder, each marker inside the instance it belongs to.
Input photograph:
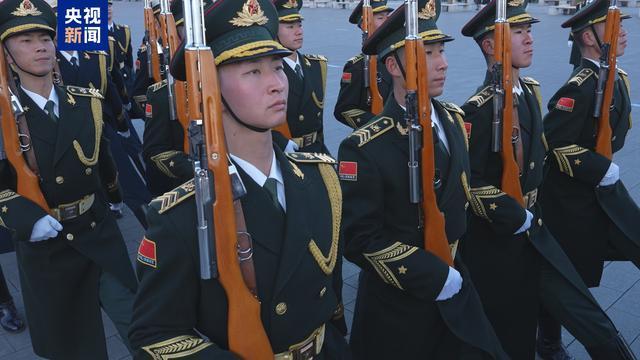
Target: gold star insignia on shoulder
(25, 109)
(577, 161)
(171, 163)
(493, 206)
(402, 270)
(5, 209)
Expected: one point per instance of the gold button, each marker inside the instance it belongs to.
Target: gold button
(281, 308)
(59, 180)
(70, 237)
(93, 224)
(532, 165)
(613, 138)
(323, 291)
(540, 222)
(301, 117)
(88, 171)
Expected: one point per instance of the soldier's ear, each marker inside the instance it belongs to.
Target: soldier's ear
(486, 44)
(392, 66)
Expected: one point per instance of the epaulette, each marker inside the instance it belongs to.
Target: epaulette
(306, 157)
(159, 85)
(481, 97)
(174, 197)
(530, 81)
(622, 72)
(452, 107)
(315, 57)
(372, 130)
(97, 52)
(356, 58)
(580, 77)
(81, 91)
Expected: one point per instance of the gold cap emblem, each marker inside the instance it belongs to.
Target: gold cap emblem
(428, 11)
(251, 14)
(515, 3)
(26, 8)
(290, 4)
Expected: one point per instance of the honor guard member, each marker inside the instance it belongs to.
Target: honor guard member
(307, 76)
(410, 303)
(353, 107)
(122, 35)
(168, 166)
(73, 260)
(296, 250)
(513, 259)
(142, 80)
(579, 178)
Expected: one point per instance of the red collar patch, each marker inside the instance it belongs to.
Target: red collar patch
(147, 253)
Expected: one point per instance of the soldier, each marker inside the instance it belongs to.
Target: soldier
(10, 321)
(353, 107)
(578, 175)
(410, 304)
(72, 259)
(122, 35)
(291, 208)
(513, 259)
(142, 80)
(307, 75)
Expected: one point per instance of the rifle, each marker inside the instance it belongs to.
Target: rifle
(606, 80)
(370, 62)
(421, 159)
(176, 89)
(502, 124)
(151, 40)
(16, 140)
(217, 237)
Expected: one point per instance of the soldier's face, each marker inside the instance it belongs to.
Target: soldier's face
(379, 18)
(437, 66)
(622, 37)
(34, 52)
(290, 35)
(110, 17)
(521, 46)
(256, 90)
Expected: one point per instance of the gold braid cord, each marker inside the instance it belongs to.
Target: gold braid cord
(327, 264)
(96, 110)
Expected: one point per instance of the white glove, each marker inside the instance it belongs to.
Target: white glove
(452, 286)
(45, 228)
(291, 147)
(116, 206)
(612, 175)
(124, 134)
(127, 106)
(527, 223)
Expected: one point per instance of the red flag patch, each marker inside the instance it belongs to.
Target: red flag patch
(565, 104)
(346, 78)
(148, 109)
(147, 253)
(467, 127)
(348, 170)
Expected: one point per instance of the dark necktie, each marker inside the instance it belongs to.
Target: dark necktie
(74, 62)
(298, 70)
(271, 185)
(49, 108)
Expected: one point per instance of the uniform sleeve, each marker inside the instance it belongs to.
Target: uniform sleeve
(17, 213)
(166, 304)
(114, 102)
(109, 172)
(487, 201)
(564, 124)
(129, 55)
(141, 81)
(348, 108)
(408, 268)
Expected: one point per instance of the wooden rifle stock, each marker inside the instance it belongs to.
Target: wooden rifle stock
(246, 335)
(610, 47)
(510, 183)
(435, 237)
(372, 71)
(153, 43)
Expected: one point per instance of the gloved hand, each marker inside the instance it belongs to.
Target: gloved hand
(116, 209)
(452, 285)
(527, 223)
(125, 134)
(127, 106)
(291, 147)
(45, 228)
(612, 175)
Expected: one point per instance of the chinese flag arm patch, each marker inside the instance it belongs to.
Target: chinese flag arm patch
(147, 253)
(467, 127)
(565, 104)
(346, 77)
(148, 110)
(348, 170)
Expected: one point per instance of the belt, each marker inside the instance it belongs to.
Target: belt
(306, 140)
(305, 350)
(73, 209)
(530, 198)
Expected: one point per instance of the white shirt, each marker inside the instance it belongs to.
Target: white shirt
(41, 102)
(517, 89)
(69, 54)
(435, 122)
(110, 26)
(292, 64)
(260, 178)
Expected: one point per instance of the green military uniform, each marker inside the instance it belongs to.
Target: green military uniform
(396, 315)
(122, 49)
(527, 269)
(63, 278)
(305, 104)
(353, 107)
(296, 248)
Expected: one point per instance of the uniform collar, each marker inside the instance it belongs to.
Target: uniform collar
(70, 55)
(256, 175)
(41, 101)
(292, 64)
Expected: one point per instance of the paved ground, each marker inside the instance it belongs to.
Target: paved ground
(329, 33)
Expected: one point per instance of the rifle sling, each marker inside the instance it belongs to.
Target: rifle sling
(245, 250)
(516, 136)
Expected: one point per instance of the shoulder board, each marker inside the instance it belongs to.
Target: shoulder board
(622, 72)
(159, 85)
(125, 26)
(80, 91)
(452, 107)
(174, 197)
(305, 157)
(579, 78)
(97, 52)
(356, 58)
(372, 130)
(530, 81)
(315, 57)
(481, 97)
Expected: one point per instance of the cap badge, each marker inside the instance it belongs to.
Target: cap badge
(515, 3)
(251, 14)
(290, 4)
(26, 8)
(428, 11)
